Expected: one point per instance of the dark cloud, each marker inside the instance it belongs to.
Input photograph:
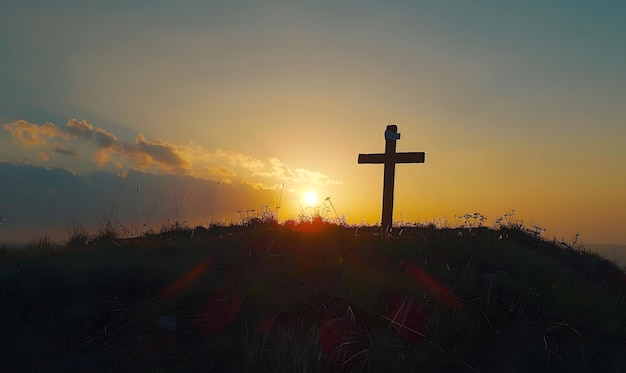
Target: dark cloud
(104, 139)
(63, 149)
(148, 152)
(76, 128)
(36, 200)
(83, 130)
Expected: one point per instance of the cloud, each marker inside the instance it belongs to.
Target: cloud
(83, 130)
(150, 152)
(64, 149)
(154, 155)
(260, 186)
(104, 139)
(29, 135)
(283, 172)
(238, 159)
(101, 157)
(43, 156)
(146, 153)
(220, 170)
(230, 157)
(78, 128)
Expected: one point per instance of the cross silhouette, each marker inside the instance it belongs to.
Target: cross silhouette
(389, 159)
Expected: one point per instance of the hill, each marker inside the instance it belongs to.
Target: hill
(312, 296)
(614, 253)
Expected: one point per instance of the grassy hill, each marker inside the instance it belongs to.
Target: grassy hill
(312, 296)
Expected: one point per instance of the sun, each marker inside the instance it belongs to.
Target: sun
(310, 198)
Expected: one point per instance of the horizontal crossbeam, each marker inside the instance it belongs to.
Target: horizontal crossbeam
(411, 157)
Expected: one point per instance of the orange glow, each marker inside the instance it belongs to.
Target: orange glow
(185, 280)
(434, 288)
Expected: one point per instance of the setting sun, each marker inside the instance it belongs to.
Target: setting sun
(310, 198)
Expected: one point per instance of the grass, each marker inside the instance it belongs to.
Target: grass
(312, 296)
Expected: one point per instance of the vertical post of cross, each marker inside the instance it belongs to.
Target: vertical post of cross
(391, 136)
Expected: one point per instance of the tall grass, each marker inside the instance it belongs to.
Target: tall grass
(312, 296)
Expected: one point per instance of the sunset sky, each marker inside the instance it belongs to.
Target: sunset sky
(517, 104)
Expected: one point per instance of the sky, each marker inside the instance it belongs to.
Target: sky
(518, 105)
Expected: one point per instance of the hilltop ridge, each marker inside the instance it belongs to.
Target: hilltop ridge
(314, 296)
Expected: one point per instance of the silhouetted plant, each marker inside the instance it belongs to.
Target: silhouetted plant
(106, 232)
(78, 236)
(474, 220)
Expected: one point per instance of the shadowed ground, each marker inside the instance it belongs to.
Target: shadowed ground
(312, 296)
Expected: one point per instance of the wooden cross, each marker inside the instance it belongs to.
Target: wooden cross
(389, 159)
